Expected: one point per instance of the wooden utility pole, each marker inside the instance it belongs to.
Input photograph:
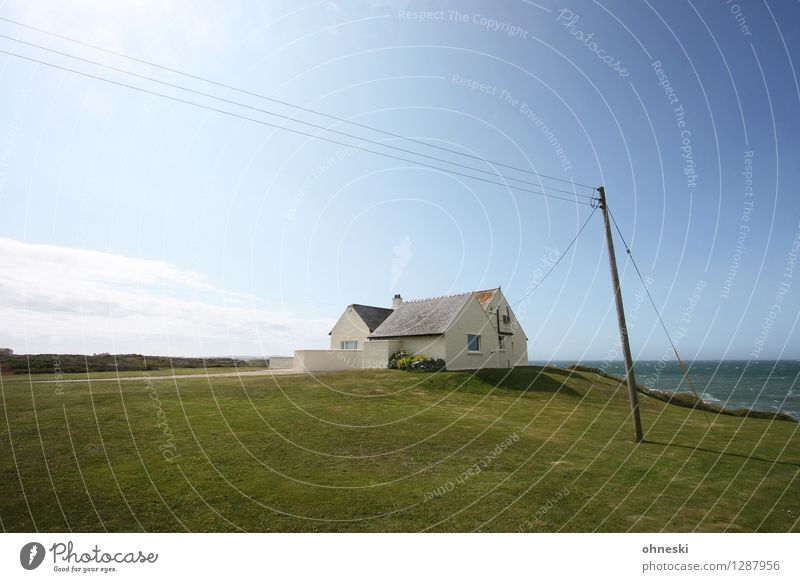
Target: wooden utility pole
(623, 328)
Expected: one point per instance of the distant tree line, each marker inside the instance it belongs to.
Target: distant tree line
(76, 363)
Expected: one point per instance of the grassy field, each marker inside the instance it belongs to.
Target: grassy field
(539, 449)
(51, 364)
(37, 378)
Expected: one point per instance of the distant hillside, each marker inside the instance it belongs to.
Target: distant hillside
(76, 363)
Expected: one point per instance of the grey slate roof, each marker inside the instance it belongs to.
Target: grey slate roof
(372, 316)
(422, 317)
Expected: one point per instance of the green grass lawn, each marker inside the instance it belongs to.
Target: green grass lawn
(27, 378)
(541, 449)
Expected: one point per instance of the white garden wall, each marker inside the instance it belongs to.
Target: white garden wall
(328, 360)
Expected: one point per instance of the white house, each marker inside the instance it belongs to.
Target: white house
(468, 331)
(356, 324)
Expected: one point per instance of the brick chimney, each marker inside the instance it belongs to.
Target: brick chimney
(396, 301)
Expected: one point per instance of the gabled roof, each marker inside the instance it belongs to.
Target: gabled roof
(485, 296)
(426, 316)
(372, 316)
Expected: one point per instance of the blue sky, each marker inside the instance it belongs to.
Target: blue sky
(134, 223)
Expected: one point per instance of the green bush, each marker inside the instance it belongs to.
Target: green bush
(406, 362)
(427, 365)
(395, 357)
(402, 360)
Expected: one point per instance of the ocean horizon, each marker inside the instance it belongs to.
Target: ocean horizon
(768, 385)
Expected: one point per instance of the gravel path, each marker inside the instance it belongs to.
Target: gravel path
(170, 377)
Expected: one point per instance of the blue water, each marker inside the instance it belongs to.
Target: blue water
(760, 385)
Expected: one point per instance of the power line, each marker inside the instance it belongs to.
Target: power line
(658, 314)
(310, 135)
(288, 118)
(287, 104)
(546, 275)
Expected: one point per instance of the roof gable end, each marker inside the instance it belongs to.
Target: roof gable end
(373, 317)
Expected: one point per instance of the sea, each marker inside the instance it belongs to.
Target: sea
(771, 385)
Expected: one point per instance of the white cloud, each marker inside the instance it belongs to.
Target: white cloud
(63, 300)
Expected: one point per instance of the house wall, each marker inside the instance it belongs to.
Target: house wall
(374, 355)
(377, 352)
(328, 360)
(432, 346)
(281, 362)
(471, 320)
(349, 327)
(516, 352)
(519, 354)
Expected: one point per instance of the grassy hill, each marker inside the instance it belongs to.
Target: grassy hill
(537, 449)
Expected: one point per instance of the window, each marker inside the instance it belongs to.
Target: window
(506, 319)
(349, 345)
(501, 343)
(473, 343)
